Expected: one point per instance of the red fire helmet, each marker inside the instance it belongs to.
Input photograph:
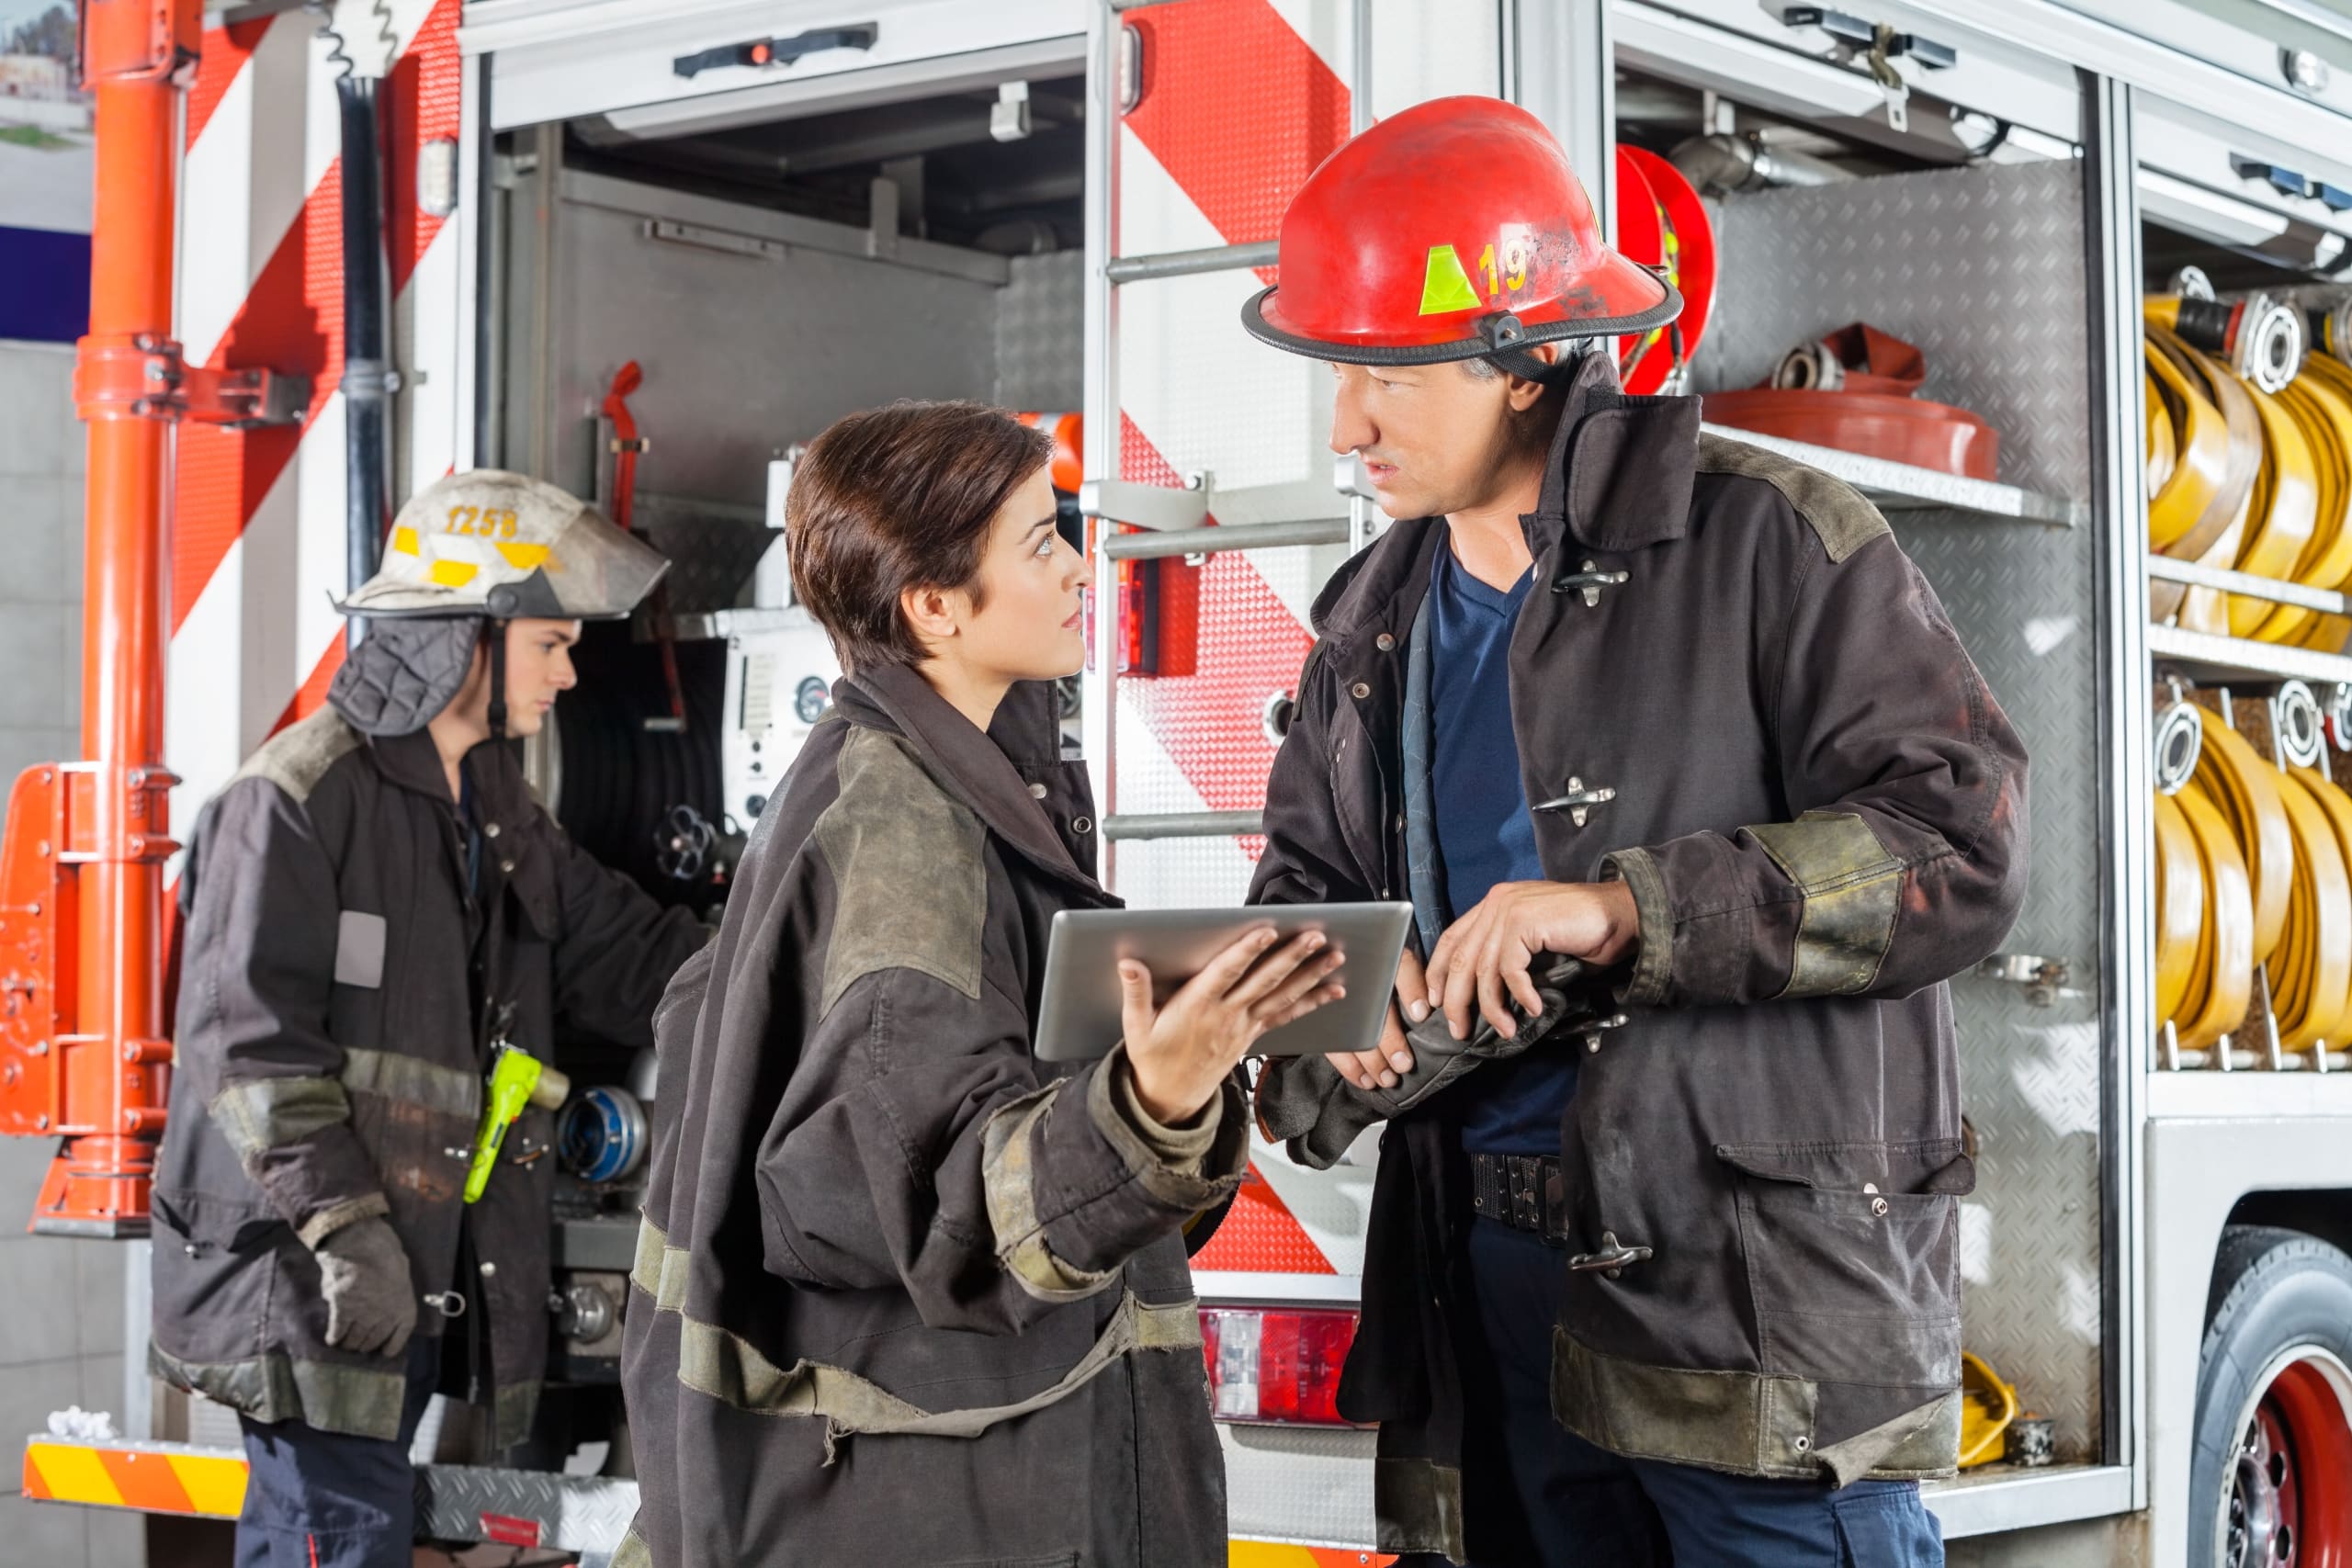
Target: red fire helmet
(1452, 230)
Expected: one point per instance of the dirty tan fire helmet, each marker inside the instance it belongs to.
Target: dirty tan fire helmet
(495, 544)
(472, 550)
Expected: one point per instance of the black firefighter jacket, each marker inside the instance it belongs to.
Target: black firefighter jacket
(337, 993)
(1820, 811)
(902, 1294)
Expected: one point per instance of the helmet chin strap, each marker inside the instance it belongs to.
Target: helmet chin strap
(496, 637)
(1506, 341)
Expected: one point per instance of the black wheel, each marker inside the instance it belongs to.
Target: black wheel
(2270, 1479)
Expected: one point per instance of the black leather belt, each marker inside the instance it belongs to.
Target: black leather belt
(1522, 1191)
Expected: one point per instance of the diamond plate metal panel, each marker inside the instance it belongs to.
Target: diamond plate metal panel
(1040, 334)
(1983, 269)
(1288, 1484)
(1174, 874)
(587, 1514)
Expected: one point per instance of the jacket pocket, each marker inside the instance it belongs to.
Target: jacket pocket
(206, 1221)
(1852, 1257)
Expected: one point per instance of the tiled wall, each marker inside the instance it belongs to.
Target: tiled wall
(61, 1302)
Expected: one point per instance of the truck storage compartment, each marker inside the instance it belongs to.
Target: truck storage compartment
(768, 273)
(678, 296)
(2248, 437)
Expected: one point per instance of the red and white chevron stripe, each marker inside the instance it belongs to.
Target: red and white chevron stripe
(257, 542)
(1241, 100)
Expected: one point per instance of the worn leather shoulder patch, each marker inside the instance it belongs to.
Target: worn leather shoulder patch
(299, 756)
(909, 871)
(1841, 515)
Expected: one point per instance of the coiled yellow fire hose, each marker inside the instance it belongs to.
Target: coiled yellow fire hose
(2209, 429)
(2162, 459)
(2200, 458)
(2180, 908)
(2285, 511)
(2331, 381)
(2216, 537)
(2311, 972)
(2245, 789)
(2221, 978)
(2324, 424)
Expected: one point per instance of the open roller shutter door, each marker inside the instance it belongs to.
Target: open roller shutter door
(554, 59)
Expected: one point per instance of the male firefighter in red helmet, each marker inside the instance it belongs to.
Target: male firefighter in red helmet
(1699, 802)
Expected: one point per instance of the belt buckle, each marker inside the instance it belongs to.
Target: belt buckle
(1526, 1192)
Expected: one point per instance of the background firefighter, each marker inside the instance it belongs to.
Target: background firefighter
(371, 907)
(1619, 690)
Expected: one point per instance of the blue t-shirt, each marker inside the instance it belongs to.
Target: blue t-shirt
(1484, 834)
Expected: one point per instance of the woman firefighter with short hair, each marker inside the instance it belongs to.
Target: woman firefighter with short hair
(901, 1295)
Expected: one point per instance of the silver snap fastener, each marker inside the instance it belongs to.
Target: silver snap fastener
(1384, 642)
(1803, 1444)
(1083, 825)
(1400, 821)
(1036, 791)
(489, 1270)
(1360, 691)
(1878, 1207)
(507, 866)
(489, 830)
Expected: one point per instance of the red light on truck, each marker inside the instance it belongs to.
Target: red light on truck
(1275, 1366)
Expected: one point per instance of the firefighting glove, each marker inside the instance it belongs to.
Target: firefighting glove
(1305, 1104)
(371, 1304)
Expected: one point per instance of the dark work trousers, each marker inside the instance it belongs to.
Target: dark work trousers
(1581, 1506)
(320, 1500)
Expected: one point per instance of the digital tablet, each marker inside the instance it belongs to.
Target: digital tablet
(1078, 1020)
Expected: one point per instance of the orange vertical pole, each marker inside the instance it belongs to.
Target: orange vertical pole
(136, 57)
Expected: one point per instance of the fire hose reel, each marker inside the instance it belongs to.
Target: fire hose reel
(602, 1136)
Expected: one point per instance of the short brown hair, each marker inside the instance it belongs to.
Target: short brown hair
(898, 498)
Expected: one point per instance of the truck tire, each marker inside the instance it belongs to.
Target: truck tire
(2270, 1478)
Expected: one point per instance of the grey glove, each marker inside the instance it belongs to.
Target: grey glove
(1307, 1104)
(371, 1302)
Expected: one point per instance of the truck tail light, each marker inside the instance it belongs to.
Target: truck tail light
(1139, 617)
(1158, 607)
(1275, 1366)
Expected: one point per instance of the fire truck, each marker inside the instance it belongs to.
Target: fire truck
(643, 248)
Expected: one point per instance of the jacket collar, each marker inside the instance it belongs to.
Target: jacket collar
(978, 767)
(1618, 477)
(413, 763)
(1619, 472)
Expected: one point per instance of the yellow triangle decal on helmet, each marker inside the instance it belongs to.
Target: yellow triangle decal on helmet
(451, 573)
(1446, 286)
(522, 558)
